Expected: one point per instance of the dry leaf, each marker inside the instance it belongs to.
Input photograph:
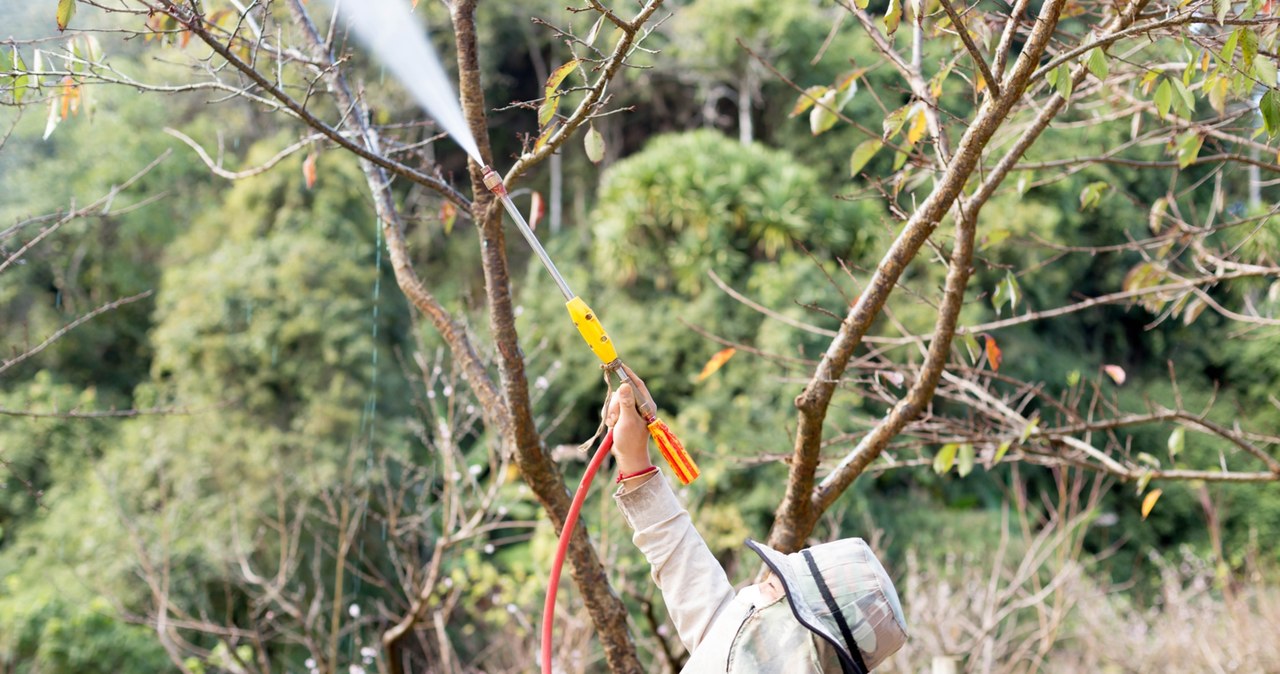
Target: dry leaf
(717, 361)
(994, 355)
(448, 214)
(1149, 502)
(537, 209)
(309, 170)
(1116, 373)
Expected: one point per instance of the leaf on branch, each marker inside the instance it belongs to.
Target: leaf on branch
(995, 237)
(545, 135)
(964, 459)
(594, 143)
(1220, 8)
(717, 361)
(1098, 63)
(1193, 310)
(1149, 501)
(945, 458)
(1155, 218)
(1269, 106)
(822, 117)
(537, 209)
(1006, 292)
(919, 124)
(1248, 48)
(1188, 148)
(550, 95)
(894, 121)
(66, 10)
(70, 97)
(1177, 440)
(595, 31)
(309, 170)
(1116, 373)
(806, 99)
(1091, 195)
(863, 154)
(893, 17)
(21, 82)
(994, 355)
(1061, 80)
(52, 122)
(1001, 451)
(1163, 98)
(448, 215)
(1186, 102)
(1029, 429)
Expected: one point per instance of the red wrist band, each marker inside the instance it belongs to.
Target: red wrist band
(627, 476)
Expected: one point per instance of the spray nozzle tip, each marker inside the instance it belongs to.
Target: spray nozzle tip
(493, 181)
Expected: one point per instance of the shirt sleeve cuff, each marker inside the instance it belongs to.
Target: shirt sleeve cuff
(649, 503)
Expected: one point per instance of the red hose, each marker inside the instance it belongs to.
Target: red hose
(566, 533)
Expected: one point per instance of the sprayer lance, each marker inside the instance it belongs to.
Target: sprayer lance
(588, 325)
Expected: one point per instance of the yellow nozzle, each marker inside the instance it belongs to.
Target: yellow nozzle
(584, 319)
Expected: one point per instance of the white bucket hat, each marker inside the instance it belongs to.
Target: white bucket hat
(842, 593)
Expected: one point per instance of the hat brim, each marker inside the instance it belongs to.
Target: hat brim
(781, 567)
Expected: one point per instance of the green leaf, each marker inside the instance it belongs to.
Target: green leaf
(66, 10)
(1098, 63)
(1144, 481)
(1163, 98)
(1073, 378)
(1029, 429)
(894, 121)
(861, 4)
(893, 16)
(964, 462)
(1001, 451)
(1220, 8)
(899, 160)
(1228, 53)
(1091, 195)
(1189, 148)
(943, 460)
(1269, 106)
(995, 237)
(1000, 296)
(1186, 102)
(807, 98)
(1265, 70)
(822, 117)
(1155, 218)
(1063, 81)
(863, 154)
(1177, 440)
(1146, 458)
(547, 111)
(594, 143)
(21, 82)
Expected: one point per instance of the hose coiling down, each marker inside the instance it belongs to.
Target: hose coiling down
(566, 534)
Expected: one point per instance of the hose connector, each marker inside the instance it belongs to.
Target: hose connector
(493, 181)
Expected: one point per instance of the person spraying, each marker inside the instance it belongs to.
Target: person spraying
(828, 608)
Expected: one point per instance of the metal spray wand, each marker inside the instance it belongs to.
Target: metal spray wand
(588, 325)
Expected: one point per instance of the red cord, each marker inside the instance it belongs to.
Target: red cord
(566, 534)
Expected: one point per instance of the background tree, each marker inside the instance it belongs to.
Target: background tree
(1086, 158)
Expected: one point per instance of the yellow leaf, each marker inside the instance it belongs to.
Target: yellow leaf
(551, 97)
(66, 10)
(1149, 502)
(918, 125)
(717, 361)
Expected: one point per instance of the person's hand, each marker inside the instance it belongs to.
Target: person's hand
(630, 432)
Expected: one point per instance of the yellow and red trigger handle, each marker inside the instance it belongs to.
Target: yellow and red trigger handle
(588, 325)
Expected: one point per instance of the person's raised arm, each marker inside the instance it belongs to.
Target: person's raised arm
(694, 585)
